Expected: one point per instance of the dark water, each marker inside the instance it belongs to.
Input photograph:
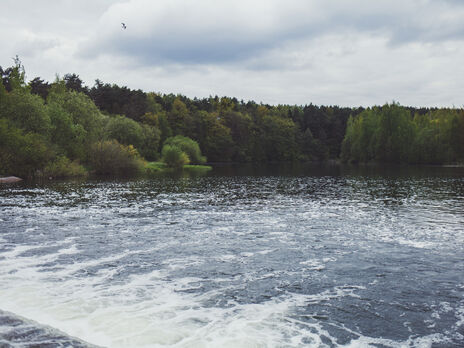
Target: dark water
(243, 257)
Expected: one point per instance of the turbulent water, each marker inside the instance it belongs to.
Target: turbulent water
(239, 258)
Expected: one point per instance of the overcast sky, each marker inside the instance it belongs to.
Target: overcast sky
(331, 52)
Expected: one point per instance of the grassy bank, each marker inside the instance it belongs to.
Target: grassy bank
(160, 168)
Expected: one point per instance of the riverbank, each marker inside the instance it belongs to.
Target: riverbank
(160, 168)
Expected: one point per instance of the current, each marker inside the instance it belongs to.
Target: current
(242, 257)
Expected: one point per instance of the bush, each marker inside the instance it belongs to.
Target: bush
(111, 158)
(189, 146)
(62, 167)
(22, 154)
(174, 157)
(155, 168)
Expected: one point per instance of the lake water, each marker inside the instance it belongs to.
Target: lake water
(243, 257)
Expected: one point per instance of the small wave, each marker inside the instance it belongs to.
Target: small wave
(416, 244)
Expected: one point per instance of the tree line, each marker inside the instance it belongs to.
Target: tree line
(394, 134)
(65, 128)
(226, 129)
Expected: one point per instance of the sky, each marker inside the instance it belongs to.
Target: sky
(325, 52)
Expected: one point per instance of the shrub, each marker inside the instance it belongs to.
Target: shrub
(155, 168)
(111, 158)
(62, 167)
(174, 157)
(189, 146)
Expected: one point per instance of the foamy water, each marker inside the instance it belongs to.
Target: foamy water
(234, 262)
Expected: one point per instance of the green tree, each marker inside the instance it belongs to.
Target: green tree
(174, 157)
(189, 146)
(457, 135)
(26, 111)
(22, 154)
(179, 118)
(14, 77)
(395, 134)
(81, 108)
(384, 134)
(151, 142)
(214, 138)
(39, 87)
(3, 94)
(241, 132)
(126, 131)
(280, 141)
(69, 137)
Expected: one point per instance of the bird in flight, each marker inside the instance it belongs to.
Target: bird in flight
(123, 25)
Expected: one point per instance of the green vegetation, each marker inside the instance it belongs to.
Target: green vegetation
(62, 167)
(197, 170)
(174, 157)
(188, 146)
(390, 134)
(64, 129)
(179, 151)
(109, 157)
(153, 169)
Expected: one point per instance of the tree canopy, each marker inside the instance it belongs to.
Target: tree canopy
(391, 134)
(43, 123)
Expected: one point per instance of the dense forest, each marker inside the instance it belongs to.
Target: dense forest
(394, 134)
(65, 128)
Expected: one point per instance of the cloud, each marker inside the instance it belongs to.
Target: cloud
(187, 32)
(218, 32)
(346, 52)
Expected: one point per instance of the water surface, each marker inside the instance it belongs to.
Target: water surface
(243, 257)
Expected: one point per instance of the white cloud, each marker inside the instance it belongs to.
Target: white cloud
(345, 52)
(223, 31)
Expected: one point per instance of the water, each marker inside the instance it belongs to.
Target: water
(318, 257)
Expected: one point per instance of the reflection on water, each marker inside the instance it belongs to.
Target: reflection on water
(274, 256)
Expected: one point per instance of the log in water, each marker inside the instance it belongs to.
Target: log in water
(10, 180)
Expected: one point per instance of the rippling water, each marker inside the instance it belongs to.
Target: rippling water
(317, 258)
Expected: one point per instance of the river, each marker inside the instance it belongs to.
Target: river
(242, 257)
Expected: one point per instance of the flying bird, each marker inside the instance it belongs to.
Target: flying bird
(124, 26)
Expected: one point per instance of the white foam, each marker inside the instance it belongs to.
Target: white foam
(313, 265)
(265, 252)
(150, 310)
(419, 342)
(460, 315)
(167, 318)
(156, 309)
(416, 243)
(227, 257)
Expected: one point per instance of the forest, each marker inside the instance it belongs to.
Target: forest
(64, 128)
(394, 134)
